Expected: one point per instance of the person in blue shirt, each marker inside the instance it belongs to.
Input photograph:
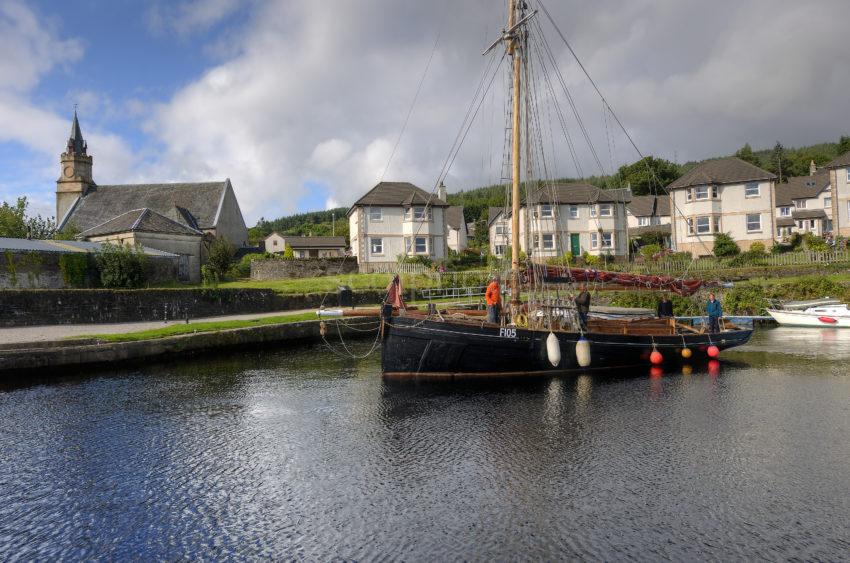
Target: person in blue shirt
(714, 312)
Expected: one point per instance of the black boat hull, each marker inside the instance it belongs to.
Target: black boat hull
(423, 348)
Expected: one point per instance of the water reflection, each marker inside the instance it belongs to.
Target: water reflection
(295, 453)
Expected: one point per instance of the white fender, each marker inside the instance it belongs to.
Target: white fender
(553, 349)
(583, 352)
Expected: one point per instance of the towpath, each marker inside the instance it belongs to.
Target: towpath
(59, 332)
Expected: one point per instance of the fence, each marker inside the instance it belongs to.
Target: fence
(708, 264)
(393, 268)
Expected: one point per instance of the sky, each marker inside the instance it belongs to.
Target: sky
(302, 104)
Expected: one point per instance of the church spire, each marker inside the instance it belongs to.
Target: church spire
(76, 143)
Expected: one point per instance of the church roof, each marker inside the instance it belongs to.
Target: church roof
(76, 143)
(196, 205)
(142, 221)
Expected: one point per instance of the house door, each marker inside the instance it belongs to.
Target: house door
(575, 244)
(183, 267)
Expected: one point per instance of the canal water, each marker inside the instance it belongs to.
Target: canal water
(297, 453)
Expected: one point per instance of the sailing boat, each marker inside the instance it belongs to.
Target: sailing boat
(540, 336)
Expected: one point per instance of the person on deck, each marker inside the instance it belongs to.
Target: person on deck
(493, 297)
(582, 301)
(665, 308)
(714, 312)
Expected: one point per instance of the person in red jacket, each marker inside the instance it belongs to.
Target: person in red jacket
(493, 297)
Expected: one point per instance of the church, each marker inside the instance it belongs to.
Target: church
(180, 218)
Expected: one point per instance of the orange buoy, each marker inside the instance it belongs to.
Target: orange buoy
(656, 357)
(713, 351)
(687, 370)
(686, 353)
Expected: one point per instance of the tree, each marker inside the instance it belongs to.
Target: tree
(220, 256)
(288, 253)
(724, 245)
(121, 266)
(481, 238)
(15, 223)
(746, 154)
(779, 162)
(843, 144)
(648, 175)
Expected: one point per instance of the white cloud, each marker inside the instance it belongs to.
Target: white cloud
(189, 16)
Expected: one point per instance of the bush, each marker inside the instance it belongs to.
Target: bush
(242, 268)
(564, 259)
(220, 256)
(649, 251)
(679, 257)
(464, 260)
(208, 277)
(814, 243)
(424, 260)
(288, 253)
(120, 266)
(590, 259)
(749, 258)
(725, 246)
(745, 299)
(757, 248)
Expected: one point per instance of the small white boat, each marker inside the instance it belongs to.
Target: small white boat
(832, 316)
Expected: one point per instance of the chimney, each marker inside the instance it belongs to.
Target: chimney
(812, 168)
(441, 191)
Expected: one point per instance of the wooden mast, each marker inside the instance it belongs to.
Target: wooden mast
(515, 50)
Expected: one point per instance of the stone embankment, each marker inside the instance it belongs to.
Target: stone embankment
(92, 306)
(65, 354)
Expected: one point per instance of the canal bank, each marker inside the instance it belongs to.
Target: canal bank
(30, 356)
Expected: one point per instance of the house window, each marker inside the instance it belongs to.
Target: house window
(751, 190)
(500, 249)
(703, 224)
(643, 221)
(545, 211)
(548, 242)
(827, 202)
(785, 211)
(690, 226)
(690, 194)
(606, 210)
(574, 212)
(419, 213)
(375, 214)
(702, 192)
(594, 240)
(753, 222)
(593, 211)
(800, 203)
(416, 245)
(607, 240)
(274, 242)
(500, 229)
(848, 175)
(717, 223)
(377, 245)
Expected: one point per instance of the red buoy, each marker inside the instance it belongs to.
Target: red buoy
(656, 358)
(828, 320)
(713, 368)
(713, 351)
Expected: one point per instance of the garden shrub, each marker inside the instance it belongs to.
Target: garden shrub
(757, 248)
(725, 246)
(220, 256)
(649, 251)
(74, 268)
(120, 266)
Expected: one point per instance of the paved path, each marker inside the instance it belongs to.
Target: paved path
(59, 332)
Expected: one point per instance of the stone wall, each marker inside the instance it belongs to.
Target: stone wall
(305, 268)
(85, 306)
(42, 270)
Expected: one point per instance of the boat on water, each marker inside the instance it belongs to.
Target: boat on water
(542, 333)
(825, 313)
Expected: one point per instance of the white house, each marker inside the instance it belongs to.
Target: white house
(725, 195)
(839, 180)
(397, 219)
(456, 229)
(649, 215)
(804, 205)
(574, 218)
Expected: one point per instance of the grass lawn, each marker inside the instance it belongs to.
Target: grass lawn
(330, 283)
(176, 329)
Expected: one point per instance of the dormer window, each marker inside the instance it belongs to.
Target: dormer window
(800, 203)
